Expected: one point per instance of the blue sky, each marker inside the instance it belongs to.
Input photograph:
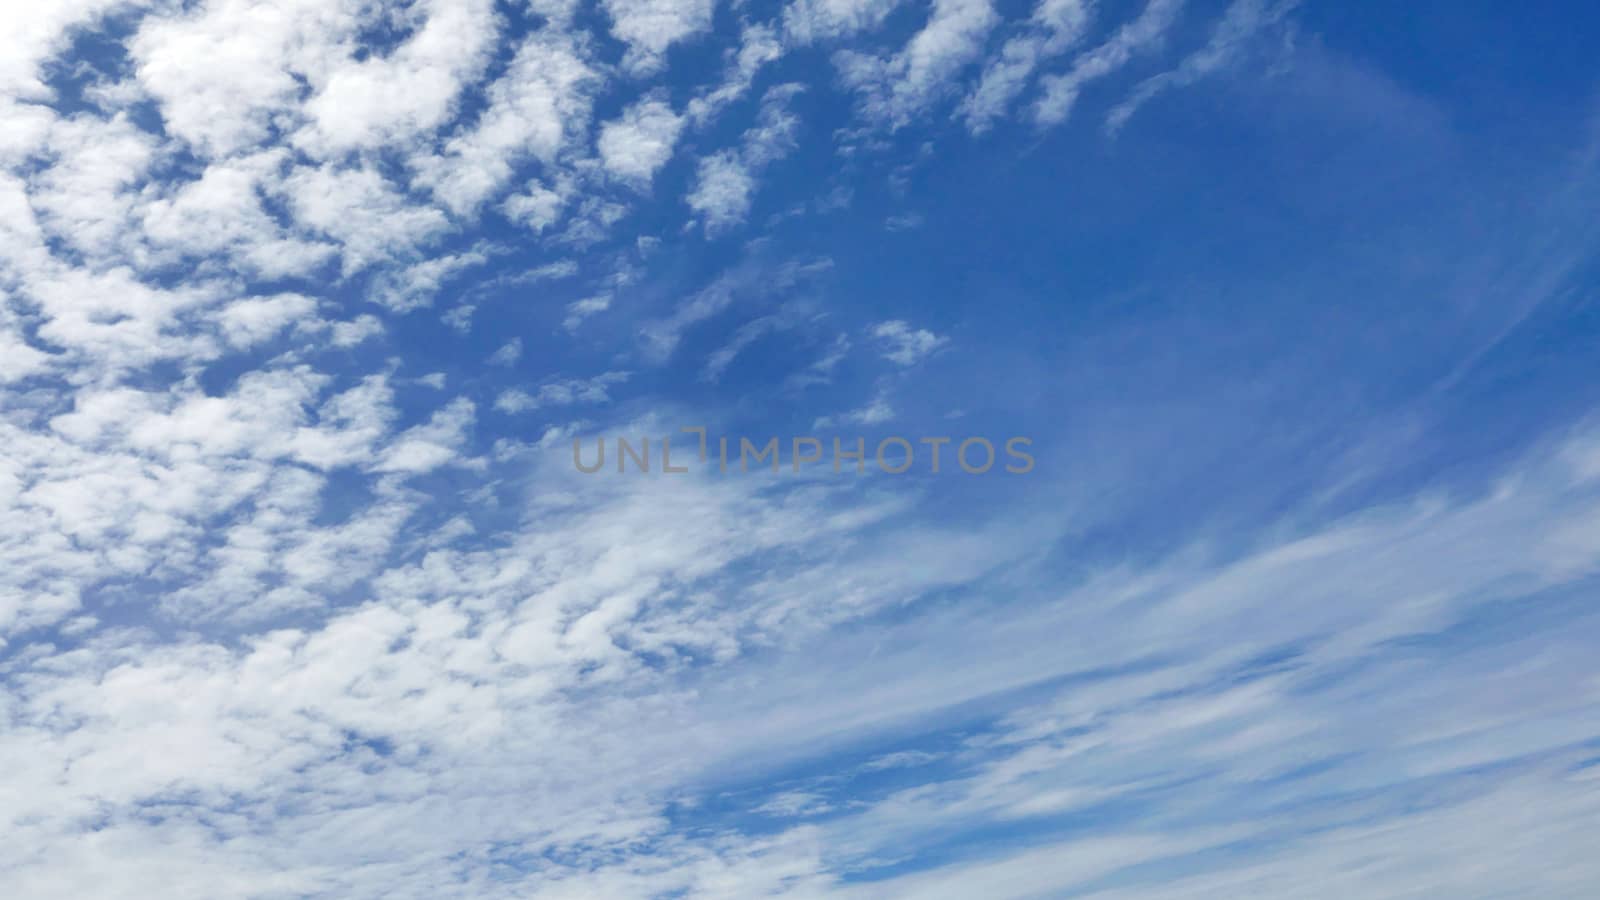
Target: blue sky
(303, 305)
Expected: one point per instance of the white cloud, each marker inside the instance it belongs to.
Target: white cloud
(538, 207)
(755, 280)
(808, 21)
(87, 197)
(567, 392)
(725, 183)
(252, 55)
(905, 345)
(359, 329)
(37, 32)
(747, 334)
(417, 284)
(759, 45)
(579, 310)
(634, 146)
(429, 446)
(222, 212)
(1055, 27)
(455, 678)
(723, 190)
(360, 104)
(508, 354)
(793, 805)
(877, 411)
(18, 360)
(369, 217)
(1242, 22)
(649, 27)
(540, 104)
(1142, 35)
(895, 89)
(821, 371)
(255, 319)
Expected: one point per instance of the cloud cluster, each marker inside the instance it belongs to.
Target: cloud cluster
(296, 603)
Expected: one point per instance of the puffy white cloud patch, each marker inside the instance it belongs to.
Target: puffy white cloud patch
(649, 27)
(405, 94)
(1054, 27)
(725, 183)
(723, 190)
(634, 146)
(905, 345)
(896, 88)
(540, 103)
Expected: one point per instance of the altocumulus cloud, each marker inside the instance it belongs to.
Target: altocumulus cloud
(303, 302)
